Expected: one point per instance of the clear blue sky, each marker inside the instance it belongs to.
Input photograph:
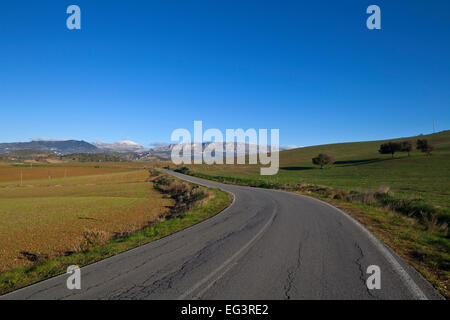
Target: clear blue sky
(140, 69)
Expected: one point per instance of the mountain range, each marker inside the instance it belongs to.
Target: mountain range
(127, 150)
(58, 147)
(121, 146)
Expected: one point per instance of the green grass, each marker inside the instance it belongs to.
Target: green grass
(21, 277)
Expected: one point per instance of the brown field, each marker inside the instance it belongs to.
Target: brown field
(45, 218)
(11, 173)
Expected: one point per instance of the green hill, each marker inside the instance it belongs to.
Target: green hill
(91, 157)
(360, 150)
(358, 166)
(27, 154)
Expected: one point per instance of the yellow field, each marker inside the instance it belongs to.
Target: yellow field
(49, 217)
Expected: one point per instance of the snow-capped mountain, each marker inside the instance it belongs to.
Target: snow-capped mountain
(289, 147)
(121, 146)
(240, 149)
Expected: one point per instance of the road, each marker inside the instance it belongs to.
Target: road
(267, 245)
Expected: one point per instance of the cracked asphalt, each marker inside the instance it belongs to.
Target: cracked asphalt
(266, 245)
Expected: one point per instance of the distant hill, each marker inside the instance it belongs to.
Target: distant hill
(125, 150)
(28, 154)
(240, 149)
(58, 147)
(90, 157)
(121, 146)
(358, 150)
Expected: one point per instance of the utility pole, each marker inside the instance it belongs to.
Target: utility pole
(434, 126)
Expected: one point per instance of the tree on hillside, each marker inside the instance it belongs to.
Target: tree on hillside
(406, 146)
(390, 148)
(424, 146)
(322, 160)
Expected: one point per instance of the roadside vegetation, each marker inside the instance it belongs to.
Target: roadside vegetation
(49, 224)
(399, 192)
(185, 195)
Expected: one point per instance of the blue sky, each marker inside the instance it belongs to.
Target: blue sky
(140, 69)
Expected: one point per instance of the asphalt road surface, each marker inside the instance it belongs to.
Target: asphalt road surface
(266, 245)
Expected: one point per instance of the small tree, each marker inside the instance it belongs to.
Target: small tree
(406, 146)
(390, 148)
(424, 146)
(322, 160)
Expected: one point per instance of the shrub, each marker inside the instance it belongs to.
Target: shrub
(184, 194)
(183, 170)
(322, 160)
(92, 239)
(406, 146)
(341, 194)
(424, 146)
(432, 223)
(383, 190)
(153, 172)
(390, 148)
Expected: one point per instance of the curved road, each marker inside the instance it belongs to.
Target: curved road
(266, 245)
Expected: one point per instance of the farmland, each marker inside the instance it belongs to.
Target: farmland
(59, 211)
(45, 218)
(17, 173)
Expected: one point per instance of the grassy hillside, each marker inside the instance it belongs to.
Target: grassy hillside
(359, 166)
